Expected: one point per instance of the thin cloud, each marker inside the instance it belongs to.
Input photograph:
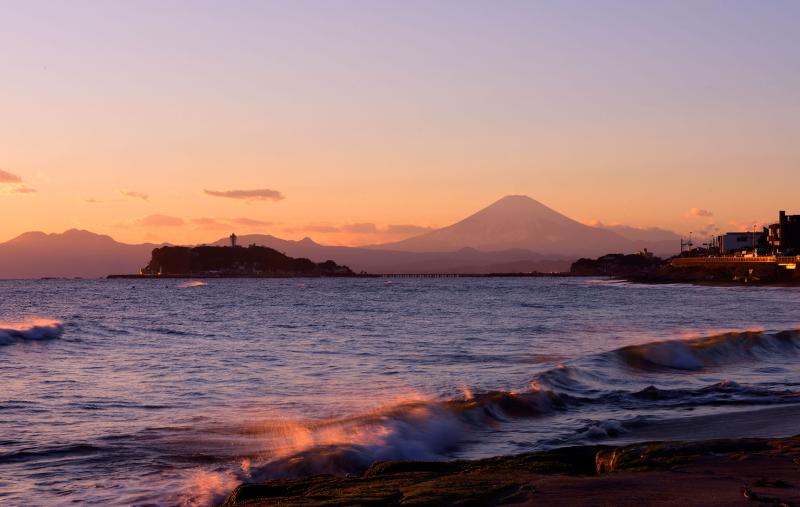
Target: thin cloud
(364, 229)
(250, 222)
(710, 229)
(263, 194)
(407, 229)
(228, 223)
(603, 225)
(747, 225)
(391, 229)
(92, 200)
(360, 228)
(134, 195)
(6, 177)
(319, 228)
(322, 228)
(633, 232)
(15, 185)
(210, 223)
(699, 212)
(160, 221)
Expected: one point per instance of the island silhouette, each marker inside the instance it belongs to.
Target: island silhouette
(235, 261)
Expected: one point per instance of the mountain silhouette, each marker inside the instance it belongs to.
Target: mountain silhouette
(465, 260)
(519, 222)
(515, 234)
(74, 253)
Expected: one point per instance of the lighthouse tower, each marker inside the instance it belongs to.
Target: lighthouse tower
(233, 240)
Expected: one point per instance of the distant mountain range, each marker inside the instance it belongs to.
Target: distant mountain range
(515, 234)
(373, 260)
(74, 253)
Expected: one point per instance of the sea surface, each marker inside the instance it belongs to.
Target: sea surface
(172, 392)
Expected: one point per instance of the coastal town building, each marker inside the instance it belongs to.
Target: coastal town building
(784, 236)
(781, 238)
(735, 241)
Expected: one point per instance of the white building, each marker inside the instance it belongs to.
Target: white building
(731, 241)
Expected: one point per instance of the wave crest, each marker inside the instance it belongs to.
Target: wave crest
(35, 329)
(698, 353)
(421, 428)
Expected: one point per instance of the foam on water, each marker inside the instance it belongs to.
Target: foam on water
(30, 329)
(192, 283)
(162, 397)
(429, 429)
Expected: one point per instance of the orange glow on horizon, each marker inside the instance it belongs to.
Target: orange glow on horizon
(349, 127)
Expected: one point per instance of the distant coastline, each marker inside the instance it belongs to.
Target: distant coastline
(263, 262)
(353, 275)
(215, 262)
(698, 270)
(229, 275)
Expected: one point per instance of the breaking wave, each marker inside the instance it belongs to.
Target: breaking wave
(717, 350)
(420, 429)
(429, 429)
(36, 329)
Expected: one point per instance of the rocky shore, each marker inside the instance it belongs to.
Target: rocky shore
(725, 472)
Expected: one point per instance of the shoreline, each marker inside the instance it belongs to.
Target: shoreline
(189, 276)
(716, 472)
(645, 280)
(361, 275)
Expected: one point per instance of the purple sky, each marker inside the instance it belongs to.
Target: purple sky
(394, 113)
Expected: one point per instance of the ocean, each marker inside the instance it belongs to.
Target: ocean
(172, 392)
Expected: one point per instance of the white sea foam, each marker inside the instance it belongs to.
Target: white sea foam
(31, 329)
(192, 283)
(420, 428)
(410, 429)
(206, 488)
(604, 429)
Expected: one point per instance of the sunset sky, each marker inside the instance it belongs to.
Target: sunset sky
(362, 122)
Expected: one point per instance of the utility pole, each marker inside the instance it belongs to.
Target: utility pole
(687, 244)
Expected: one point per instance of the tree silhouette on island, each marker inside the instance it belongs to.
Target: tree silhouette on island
(235, 261)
